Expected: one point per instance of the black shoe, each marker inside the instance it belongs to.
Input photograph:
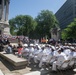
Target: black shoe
(53, 71)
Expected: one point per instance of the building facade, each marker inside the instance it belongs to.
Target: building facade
(66, 14)
(4, 11)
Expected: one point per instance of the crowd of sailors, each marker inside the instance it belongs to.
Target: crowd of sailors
(58, 56)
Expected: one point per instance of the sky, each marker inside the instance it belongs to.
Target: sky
(33, 7)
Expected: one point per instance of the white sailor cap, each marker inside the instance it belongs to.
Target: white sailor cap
(53, 47)
(69, 44)
(31, 44)
(72, 48)
(47, 45)
(59, 49)
(43, 46)
(25, 45)
(66, 47)
(36, 44)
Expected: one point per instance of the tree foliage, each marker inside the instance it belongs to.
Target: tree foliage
(46, 20)
(70, 31)
(34, 28)
(12, 26)
(22, 25)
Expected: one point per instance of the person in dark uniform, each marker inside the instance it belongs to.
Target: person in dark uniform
(9, 49)
(1, 45)
(6, 41)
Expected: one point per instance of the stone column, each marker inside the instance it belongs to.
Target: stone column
(2, 18)
(7, 11)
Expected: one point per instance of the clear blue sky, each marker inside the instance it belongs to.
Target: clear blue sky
(33, 7)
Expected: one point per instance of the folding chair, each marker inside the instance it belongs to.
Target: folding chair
(64, 64)
(46, 59)
(71, 62)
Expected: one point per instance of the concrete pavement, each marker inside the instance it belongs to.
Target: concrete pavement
(7, 69)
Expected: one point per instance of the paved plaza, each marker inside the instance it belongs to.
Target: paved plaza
(32, 69)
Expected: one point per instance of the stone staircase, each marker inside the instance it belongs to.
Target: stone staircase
(1, 73)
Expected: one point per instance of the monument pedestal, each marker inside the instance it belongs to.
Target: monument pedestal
(4, 28)
(55, 33)
(4, 11)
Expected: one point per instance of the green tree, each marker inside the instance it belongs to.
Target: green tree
(22, 25)
(12, 26)
(70, 31)
(46, 20)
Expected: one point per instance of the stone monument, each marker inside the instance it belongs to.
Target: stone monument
(4, 11)
(55, 33)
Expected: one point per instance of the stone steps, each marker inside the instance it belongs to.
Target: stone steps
(1, 73)
(15, 61)
(33, 73)
(12, 74)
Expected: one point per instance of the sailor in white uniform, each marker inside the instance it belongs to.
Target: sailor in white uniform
(39, 54)
(31, 51)
(25, 51)
(72, 53)
(67, 50)
(59, 62)
(46, 56)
